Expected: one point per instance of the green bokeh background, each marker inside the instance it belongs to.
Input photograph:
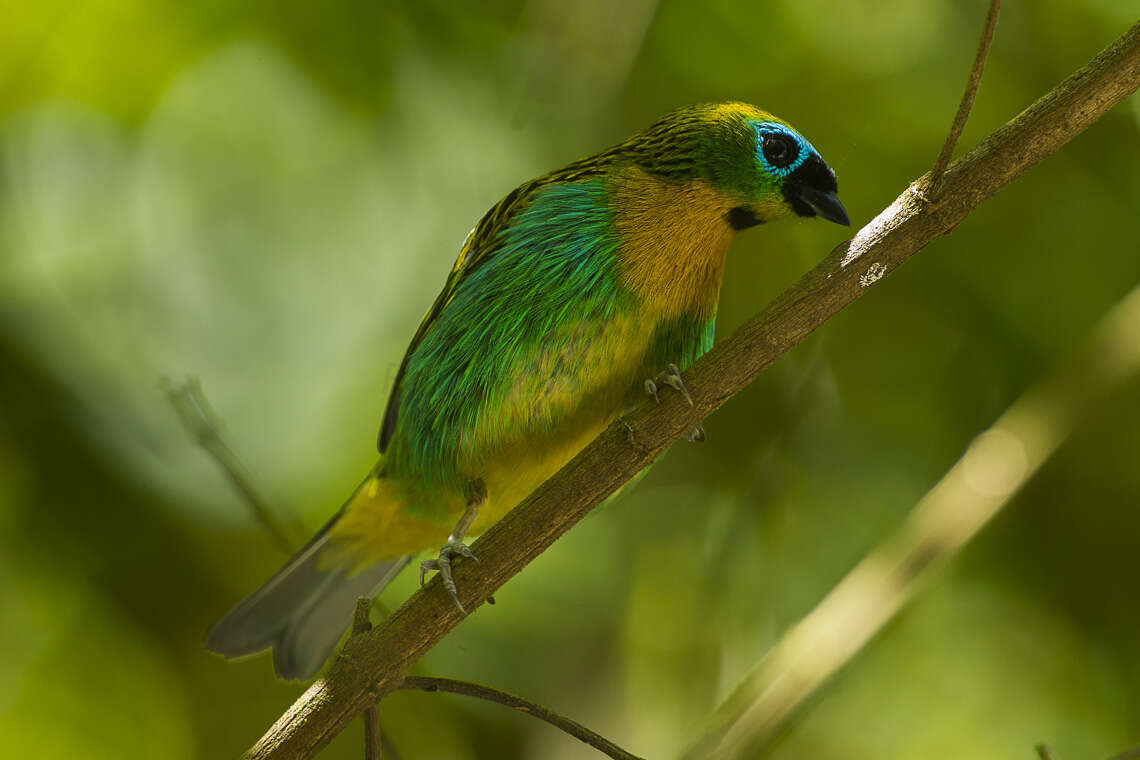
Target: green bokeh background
(268, 196)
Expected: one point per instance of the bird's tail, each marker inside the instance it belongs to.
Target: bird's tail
(302, 610)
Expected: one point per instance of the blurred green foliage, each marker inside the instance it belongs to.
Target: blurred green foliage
(268, 195)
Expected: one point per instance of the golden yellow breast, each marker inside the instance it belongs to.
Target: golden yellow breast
(674, 240)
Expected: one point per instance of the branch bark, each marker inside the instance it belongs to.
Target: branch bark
(373, 664)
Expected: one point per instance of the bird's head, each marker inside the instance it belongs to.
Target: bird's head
(763, 167)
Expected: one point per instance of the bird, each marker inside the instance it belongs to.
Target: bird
(575, 296)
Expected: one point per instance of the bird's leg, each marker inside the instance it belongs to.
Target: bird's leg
(672, 378)
(477, 494)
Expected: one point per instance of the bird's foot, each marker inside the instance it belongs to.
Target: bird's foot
(672, 378)
(477, 494)
(447, 555)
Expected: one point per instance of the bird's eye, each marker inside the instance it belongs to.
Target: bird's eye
(780, 150)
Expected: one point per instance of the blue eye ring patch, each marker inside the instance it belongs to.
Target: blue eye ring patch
(766, 128)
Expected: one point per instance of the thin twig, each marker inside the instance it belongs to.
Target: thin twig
(202, 423)
(373, 749)
(963, 115)
(361, 623)
(469, 689)
(375, 663)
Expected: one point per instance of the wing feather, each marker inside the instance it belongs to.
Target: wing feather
(479, 248)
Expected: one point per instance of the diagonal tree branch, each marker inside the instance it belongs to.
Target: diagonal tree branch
(374, 663)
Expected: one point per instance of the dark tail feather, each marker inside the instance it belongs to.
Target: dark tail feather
(301, 611)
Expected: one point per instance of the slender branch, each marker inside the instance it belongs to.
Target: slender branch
(371, 716)
(963, 115)
(1131, 754)
(189, 400)
(360, 624)
(995, 466)
(468, 689)
(373, 664)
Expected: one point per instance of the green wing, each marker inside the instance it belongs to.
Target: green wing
(479, 248)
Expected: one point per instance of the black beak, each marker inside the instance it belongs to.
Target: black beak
(825, 205)
(812, 191)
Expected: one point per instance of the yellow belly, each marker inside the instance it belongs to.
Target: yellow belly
(523, 467)
(552, 417)
(378, 525)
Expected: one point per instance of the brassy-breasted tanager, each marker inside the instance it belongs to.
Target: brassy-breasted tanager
(573, 296)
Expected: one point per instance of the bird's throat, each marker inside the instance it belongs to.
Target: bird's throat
(674, 237)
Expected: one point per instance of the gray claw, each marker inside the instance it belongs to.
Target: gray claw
(443, 565)
(672, 378)
(651, 390)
